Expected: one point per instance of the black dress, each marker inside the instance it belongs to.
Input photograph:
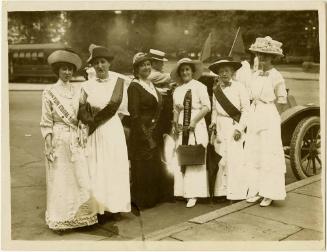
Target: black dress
(148, 176)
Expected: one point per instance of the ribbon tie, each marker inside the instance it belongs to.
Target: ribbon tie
(101, 80)
(223, 84)
(262, 73)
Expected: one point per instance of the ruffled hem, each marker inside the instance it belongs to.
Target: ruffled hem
(73, 223)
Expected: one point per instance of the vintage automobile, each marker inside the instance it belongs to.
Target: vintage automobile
(300, 127)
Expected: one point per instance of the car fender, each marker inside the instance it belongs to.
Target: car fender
(292, 116)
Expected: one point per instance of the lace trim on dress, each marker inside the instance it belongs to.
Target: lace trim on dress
(73, 223)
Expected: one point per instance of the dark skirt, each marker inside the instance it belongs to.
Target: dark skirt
(150, 182)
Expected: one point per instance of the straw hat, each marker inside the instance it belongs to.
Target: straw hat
(157, 55)
(99, 52)
(267, 45)
(214, 67)
(197, 66)
(140, 57)
(65, 56)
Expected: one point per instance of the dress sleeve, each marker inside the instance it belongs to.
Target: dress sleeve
(280, 88)
(204, 97)
(134, 109)
(46, 123)
(214, 111)
(244, 107)
(123, 109)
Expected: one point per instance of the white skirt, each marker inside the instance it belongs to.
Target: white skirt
(109, 167)
(265, 161)
(194, 182)
(231, 179)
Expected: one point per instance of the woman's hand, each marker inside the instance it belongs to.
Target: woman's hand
(192, 125)
(49, 153)
(237, 135)
(179, 107)
(212, 126)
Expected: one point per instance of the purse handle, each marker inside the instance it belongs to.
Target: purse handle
(194, 137)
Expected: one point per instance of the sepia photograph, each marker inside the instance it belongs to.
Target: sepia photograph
(163, 124)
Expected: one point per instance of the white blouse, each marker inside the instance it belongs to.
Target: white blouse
(200, 95)
(238, 96)
(268, 86)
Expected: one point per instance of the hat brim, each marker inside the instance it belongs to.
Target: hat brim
(196, 75)
(64, 56)
(266, 52)
(91, 59)
(160, 59)
(216, 66)
(142, 59)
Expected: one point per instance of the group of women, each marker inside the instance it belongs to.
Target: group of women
(94, 165)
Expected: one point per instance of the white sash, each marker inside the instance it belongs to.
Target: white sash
(61, 110)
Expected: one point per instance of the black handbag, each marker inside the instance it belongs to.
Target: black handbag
(191, 154)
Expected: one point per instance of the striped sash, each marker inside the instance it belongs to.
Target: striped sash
(61, 110)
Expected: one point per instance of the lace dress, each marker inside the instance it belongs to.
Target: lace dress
(69, 200)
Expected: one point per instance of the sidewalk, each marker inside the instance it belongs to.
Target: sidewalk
(298, 218)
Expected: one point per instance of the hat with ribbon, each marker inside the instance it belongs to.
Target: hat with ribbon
(99, 52)
(140, 57)
(157, 55)
(267, 45)
(214, 67)
(198, 69)
(65, 56)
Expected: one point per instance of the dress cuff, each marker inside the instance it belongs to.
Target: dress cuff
(45, 131)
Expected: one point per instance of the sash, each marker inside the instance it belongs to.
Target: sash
(112, 107)
(226, 104)
(187, 103)
(61, 110)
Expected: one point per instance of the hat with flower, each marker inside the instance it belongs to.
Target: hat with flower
(267, 45)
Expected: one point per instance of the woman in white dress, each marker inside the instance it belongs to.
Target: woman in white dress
(264, 150)
(190, 182)
(69, 199)
(230, 127)
(106, 144)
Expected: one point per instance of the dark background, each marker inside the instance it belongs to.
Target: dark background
(179, 33)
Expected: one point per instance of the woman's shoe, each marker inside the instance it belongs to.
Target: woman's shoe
(191, 202)
(265, 202)
(253, 199)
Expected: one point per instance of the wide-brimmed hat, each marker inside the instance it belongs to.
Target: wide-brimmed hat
(99, 52)
(65, 56)
(157, 55)
(140, 57)
(198, 67)
(214, 67)
(267, 45)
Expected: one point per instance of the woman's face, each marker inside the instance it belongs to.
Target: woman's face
(225, 73)
(101, 66)
(144, 69)
(185, 72)
(264, 59)
(66, 72)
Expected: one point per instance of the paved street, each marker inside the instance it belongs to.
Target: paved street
(28, 183)
(298, 218)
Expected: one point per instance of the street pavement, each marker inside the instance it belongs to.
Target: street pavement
(28, 191)
(298, 218)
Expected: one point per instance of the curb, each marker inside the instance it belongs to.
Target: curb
(163, 233)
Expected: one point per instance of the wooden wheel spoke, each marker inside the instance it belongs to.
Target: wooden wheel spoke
(314, 165)
(308, 165)
(318, 159)
(305, 157)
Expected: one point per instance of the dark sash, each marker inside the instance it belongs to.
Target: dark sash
(187, 103)
(108, 111)
(226, 104)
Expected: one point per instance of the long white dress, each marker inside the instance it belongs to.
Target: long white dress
(265, 160)
(107, 151)
(194, 183)
(231, 179)
(69, 198)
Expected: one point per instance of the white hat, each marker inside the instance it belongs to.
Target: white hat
(196, 63)
(66, 56)
(157, 55)
(267, 45)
